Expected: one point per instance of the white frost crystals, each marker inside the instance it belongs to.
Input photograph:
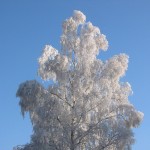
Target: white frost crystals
(51, 62)
(45, 70)
(87, 107)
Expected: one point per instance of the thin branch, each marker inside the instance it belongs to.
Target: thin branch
(60, 98)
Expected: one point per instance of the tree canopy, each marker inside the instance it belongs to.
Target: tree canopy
(86, 107)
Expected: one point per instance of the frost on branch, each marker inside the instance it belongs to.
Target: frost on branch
(116, 67)
(87, 107)
(82, 38)
(29, 93)
(51, 63)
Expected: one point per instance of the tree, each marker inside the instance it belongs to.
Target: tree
(86, 107)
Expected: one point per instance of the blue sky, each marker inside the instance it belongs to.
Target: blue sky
(27, 25)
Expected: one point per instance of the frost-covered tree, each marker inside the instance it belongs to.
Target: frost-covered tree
(87, 106)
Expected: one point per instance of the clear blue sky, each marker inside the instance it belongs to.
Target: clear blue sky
(27, 25)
